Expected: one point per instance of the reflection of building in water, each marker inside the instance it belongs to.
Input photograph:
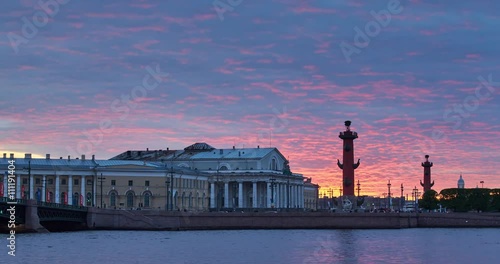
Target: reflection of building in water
(461, 182)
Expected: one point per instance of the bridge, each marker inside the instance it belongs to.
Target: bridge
(32, 215)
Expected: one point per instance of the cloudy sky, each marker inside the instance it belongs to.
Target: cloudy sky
(415, 77)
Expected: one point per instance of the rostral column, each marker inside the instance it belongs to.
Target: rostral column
(348, 166)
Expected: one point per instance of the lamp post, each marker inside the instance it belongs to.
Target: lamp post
(101, 180)
(359, 188)
(482, 184)
(389, 202)
(401, 199)
(415, 191)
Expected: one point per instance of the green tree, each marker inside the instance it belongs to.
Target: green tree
(429, 200)
(495, 199)
(479, 199)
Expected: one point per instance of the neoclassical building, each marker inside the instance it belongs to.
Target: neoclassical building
(198, 177)
(238, 177)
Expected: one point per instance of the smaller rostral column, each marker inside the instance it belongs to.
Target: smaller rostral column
(427, 174)
(348, 166)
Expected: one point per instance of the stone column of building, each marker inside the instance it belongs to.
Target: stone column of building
(94, 192)
(240, 194)
(302, 196)
(226, 194)
(268, 195)
(212, 195)
(292, 195)
(70, 190)
(278, 195)
(286, 194)
(32, 183)
(254, 194)
(57, 197)
(83, 195)
(18, 187)
(44, 188)
(282, 195)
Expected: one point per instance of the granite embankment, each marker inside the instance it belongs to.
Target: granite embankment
(161, 220)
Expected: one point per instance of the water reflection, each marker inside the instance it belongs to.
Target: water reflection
(263, 246)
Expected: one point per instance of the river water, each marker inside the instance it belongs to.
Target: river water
(260, 246)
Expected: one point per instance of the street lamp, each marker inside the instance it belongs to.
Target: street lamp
(401, 199)
(101, 180)
(415, 190)
(389, 201)
(482, 184)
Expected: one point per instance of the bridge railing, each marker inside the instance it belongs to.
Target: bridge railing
(62, 206)
(18, 201)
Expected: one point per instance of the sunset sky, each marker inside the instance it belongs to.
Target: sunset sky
(415, 78)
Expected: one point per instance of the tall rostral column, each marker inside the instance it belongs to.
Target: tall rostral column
(427, 174)
(348, 166)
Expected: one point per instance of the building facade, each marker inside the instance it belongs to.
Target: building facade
(196, 178)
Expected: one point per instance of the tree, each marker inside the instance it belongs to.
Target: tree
(495, 199)
(429, 200)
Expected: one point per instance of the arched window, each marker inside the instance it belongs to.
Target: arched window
(273, 164)
(203, 201)
(112, 199)
(130, 199)
(190, 201)
(147, 198)
(182, 199)
(76, 199)
(88, 201)
(223, 168)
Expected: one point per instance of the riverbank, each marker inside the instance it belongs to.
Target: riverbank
(161, 220)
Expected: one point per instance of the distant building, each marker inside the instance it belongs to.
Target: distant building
(461, 183)
(311, 195)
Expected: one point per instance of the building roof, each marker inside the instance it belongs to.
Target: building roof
(23, 163)
(197, 151)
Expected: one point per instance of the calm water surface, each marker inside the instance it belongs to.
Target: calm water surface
(261, 246)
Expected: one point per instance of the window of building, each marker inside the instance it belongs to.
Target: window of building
(146, 183)
(89, 182)
(25, 180)
(50, 181)
(112, 199)
(130, 199)
(113, 182)
(63, 181)
(75, 181)
(130, 183)
(37, 181)
(146, 199)
(88, 201)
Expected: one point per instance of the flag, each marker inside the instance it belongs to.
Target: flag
(81, 199)
(22, 191)
(1, 189)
